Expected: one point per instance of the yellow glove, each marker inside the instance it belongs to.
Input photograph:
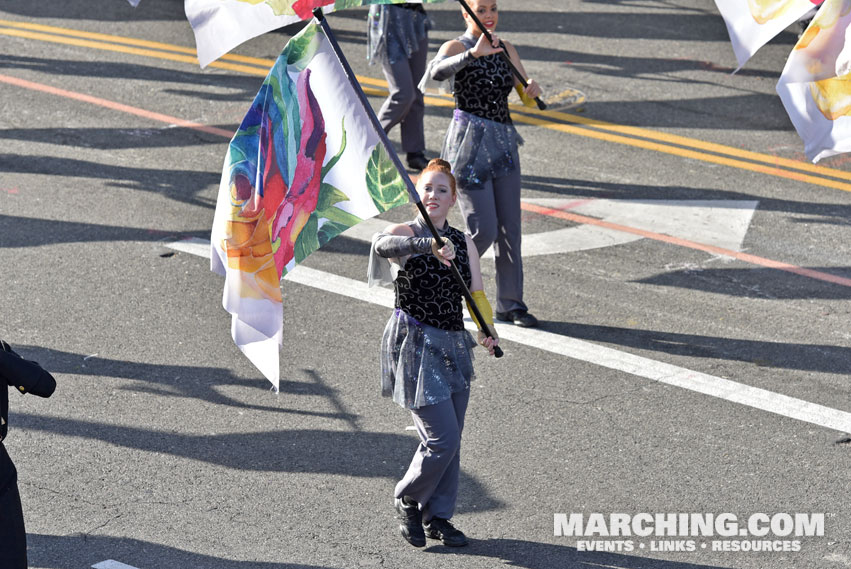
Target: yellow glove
(527, 100)
(484, 307)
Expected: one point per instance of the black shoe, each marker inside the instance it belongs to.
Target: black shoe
(438, 528)
(411, 527)
(417, 160)
(521, 318)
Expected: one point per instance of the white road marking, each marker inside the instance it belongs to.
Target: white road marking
(193, 246)
(111, 564)
(722, 223)
(592, 353)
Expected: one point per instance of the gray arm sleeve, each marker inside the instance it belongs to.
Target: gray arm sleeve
(442, 68)
(387, 245)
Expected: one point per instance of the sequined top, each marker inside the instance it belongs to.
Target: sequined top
(482, 87)
(426, 354)
(426, 288)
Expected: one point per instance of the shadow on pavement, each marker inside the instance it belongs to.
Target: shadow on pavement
(113, 138)
(179, 185)
(84, 550)
(33, 232)
(190, 382)
(98, 10)
(828, 214)
(242, 87)
(345, 453)
(808, 357)
(769, 284)
(533, 555)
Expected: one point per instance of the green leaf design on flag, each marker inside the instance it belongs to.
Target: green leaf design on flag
(384, 182)
(328, 196)
(308, 240)
(340, 216)
(281, 7)
(302, 47)
(342, 4)
(329, 230)
(333, 161)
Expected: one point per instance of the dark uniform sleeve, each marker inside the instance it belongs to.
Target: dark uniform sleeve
(24, 375)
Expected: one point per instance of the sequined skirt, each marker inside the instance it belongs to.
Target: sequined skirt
(423, 365)
(480, 149)
(395, 33)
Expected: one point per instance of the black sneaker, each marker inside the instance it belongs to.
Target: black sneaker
(518, 317)
(438, 528)
(417, 160)
(411, 527)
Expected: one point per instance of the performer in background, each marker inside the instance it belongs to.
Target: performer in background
(398, 39)
(426, 358)
(481, 144)
(27, 377)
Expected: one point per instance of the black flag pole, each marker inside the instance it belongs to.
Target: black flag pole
(541, 105)
(412, 190)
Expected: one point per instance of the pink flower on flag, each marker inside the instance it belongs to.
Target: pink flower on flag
(304, 8)
(262, 238)
(301, 198)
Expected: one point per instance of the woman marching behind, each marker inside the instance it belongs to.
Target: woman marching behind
(481, 143)
(426, 359)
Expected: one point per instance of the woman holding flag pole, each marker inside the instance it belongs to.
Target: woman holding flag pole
(426, 359)
(481, 144)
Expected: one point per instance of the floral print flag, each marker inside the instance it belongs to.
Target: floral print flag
(815, 86)
(221, 25)
(752, 23)
(304, 165)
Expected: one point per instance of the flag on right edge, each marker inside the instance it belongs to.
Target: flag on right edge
(815, 86)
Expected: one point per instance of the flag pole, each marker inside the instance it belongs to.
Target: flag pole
(541, 105)
(412, 190)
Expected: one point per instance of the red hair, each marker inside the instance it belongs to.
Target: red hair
(442, 166)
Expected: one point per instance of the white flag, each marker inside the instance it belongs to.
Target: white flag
(221, 25)
(752, 23)
(815, 85)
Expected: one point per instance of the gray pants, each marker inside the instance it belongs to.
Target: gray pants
(493, 218)
(405, 103)
(432, 477)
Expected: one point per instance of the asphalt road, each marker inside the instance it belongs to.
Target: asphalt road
(700, 365)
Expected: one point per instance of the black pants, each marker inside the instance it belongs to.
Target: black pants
(13, 536)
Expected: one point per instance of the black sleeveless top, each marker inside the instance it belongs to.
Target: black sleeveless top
(426, 288)
(483, 85)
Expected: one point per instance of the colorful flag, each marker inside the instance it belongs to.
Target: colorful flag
(304, 166)
(752, 23)
(221, 25)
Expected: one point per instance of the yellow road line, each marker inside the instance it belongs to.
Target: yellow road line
(93, 44)
(684, 141)
(685, 153)
(553, 120)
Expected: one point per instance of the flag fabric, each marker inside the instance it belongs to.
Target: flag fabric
(304, 165)
(815, 86)
(221, 25)
(752, 23)
(821, 114)
(819, 53)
